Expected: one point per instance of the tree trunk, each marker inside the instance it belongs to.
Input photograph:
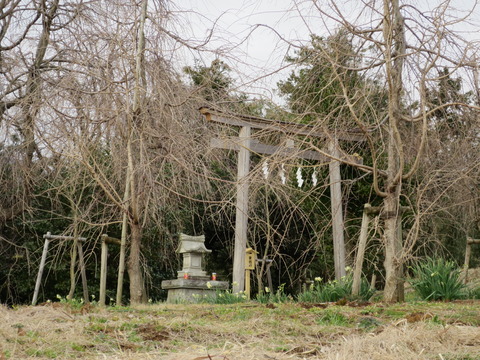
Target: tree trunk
(123, 240)
(394, 58)
(73, 251)
(134, 267)
(393, 249)
(134, 264)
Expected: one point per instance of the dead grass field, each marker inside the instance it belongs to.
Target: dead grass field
(443, 331)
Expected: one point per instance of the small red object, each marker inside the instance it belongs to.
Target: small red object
(185, 275)
(214, 276)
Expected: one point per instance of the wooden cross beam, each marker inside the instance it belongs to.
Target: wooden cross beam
(244, 145)
(278, 126)
(256, 146)
(286, 151)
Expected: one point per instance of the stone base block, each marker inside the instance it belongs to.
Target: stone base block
(189, 290)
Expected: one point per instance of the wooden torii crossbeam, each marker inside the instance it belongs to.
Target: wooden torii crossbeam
(244, 144)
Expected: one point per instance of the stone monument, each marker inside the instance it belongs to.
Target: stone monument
(192, 281)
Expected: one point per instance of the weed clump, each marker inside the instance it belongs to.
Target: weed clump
(438, 279)
(278, 297)
(333, 291)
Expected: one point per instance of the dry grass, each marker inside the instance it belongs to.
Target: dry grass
(246, 331)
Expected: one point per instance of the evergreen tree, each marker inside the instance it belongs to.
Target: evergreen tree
(446, 103)
(214, 82)
(327, 73)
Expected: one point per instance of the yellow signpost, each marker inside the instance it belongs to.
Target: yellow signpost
(250, 260)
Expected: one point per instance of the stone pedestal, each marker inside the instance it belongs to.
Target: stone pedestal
(191, 290)
(192, 281)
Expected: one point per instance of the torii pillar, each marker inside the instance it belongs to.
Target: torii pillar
(241, 215)
(337, 211)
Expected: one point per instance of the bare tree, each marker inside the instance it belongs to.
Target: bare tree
(403, 47)
(21, 71)
(121, 113)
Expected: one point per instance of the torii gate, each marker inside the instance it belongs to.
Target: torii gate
(244, 145)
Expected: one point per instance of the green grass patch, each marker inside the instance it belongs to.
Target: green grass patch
(462, 357)
(332, 318)
(78, 347)
(395, 313)
(368, 323)
(47, 353)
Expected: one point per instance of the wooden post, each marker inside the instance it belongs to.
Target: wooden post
(81, 260)
(373, 281)
(399, 250)
(103, 272)
(468, 252)
(362, 242)
(269, 276)
(266, 264)
(40, 271)
(247, 283)
(121, 264)
(104, 266)
(337, 212)
(241, 217)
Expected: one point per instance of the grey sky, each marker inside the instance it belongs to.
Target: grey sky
(256, 51)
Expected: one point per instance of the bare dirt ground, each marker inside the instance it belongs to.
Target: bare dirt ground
(243, 331)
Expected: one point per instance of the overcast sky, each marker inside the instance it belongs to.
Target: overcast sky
(256, 51)
(253, 50)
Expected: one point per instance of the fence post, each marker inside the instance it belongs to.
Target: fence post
(362, 242)
(82, 272)
(40, 271)
(103, 271)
